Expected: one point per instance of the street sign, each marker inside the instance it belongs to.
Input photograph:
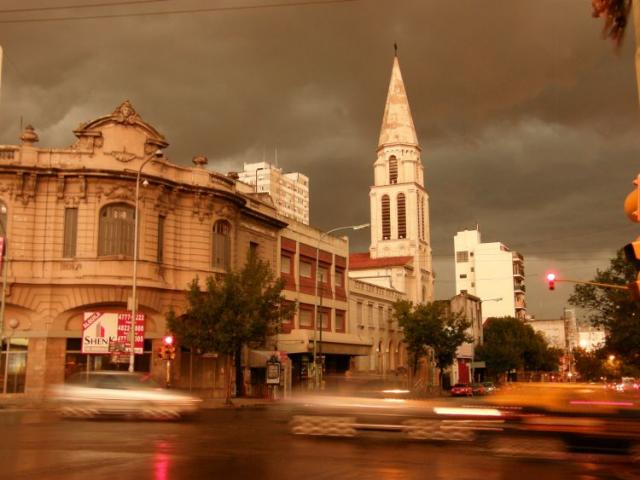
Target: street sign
(101, 329)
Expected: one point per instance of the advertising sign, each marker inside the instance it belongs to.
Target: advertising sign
(99, 329)
(273, 373)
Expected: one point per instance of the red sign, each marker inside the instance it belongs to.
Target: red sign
(124, 331)
(101, 329)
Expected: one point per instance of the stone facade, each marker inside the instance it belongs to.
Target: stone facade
(371, 314)
(58, 269)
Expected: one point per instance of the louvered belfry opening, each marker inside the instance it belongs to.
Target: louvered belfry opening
(402, 216)
(393, 169)
(386, 217)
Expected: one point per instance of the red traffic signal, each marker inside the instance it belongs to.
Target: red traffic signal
(167, 340)
(631, 207)
(551, 281)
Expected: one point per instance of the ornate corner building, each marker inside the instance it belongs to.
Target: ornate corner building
(68, 216)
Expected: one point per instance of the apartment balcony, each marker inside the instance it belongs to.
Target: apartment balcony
(520, 305)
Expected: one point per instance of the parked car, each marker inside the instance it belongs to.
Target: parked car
(489, 387)
(112, 393)
(461, 390)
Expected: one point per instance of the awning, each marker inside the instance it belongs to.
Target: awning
(344, 349)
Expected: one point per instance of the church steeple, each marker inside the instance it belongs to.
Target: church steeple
(397, 122)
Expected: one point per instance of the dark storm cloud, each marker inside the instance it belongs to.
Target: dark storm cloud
(527, 118)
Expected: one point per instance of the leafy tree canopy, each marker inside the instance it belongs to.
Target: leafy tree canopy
(432, 325)
(238, 309)
(613, 309)
(509, 344)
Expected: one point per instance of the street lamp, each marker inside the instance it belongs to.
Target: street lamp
(318, 324)
(134, 300)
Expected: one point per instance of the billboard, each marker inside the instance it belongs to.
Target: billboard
(100, 329)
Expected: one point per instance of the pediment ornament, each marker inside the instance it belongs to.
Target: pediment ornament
(122, 156)
(125, 113)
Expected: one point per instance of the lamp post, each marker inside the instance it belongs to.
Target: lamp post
(317, 342)
(134, 299)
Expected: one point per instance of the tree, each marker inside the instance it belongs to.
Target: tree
(589, 365)
(509, 344)
(616, 16)
(431, 326)
(237, 310)
(613, 309)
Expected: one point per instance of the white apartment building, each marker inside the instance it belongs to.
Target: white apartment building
(289, 191)
(491, 272)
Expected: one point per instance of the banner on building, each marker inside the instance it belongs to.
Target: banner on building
(100, 329)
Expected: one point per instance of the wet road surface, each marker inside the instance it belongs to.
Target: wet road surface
(253, 444)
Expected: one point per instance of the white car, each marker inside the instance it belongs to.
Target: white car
(106, 393)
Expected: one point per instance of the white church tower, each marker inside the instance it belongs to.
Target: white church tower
(400, 252)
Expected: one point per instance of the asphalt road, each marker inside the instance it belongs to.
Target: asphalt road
(251, 444)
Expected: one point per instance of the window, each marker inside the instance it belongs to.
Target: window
(422, 225)
(339, 278)
(13, 364)
(462, 257)
(253, 249)
(306, 316)
(386, 217)
(286, 323)
(325, 319)
(402, 217)
(117, 224)
(285, 264)
(380, 316)
(473, 269)
(323, 271)
(222, 245)
(393, 169)
(3, 219)
(70, 232)
(370, 314)
(306, 268)
(341, 323)
(463, 275)
(160, 247)
(359, 313)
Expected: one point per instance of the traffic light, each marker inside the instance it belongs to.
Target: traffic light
(167, 349)
(162, 352)
(632, 252)
(631, 203)
(551, 281)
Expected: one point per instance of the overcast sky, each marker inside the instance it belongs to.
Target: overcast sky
(527, 118)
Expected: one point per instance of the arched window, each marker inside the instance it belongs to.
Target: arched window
(386, 217)
(221, 245)
(3, 219)
(420, 228)
(117, 224)
(393, 169)
(423, 230)
(402, 217)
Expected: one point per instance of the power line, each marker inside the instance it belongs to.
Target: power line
(84, 5)
(181, 12)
